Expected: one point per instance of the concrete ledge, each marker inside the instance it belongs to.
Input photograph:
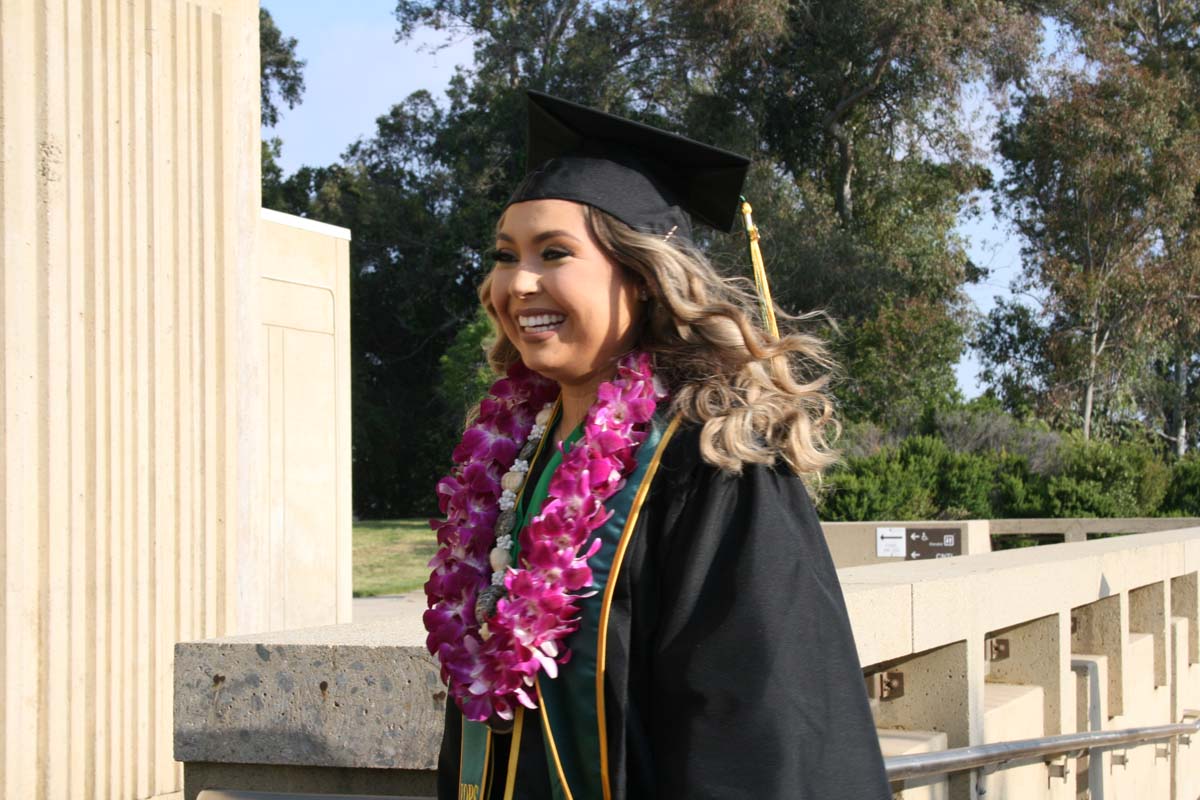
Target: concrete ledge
(357, 709)
(392, 784)
(339, 696)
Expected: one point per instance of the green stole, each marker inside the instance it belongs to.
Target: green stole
(572, 705)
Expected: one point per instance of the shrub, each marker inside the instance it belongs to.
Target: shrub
(1105, 479)
(1182, 497)
(918, 479)
(894, 483)
(976, 462)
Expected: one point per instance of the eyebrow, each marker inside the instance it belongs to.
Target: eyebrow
(541, 237)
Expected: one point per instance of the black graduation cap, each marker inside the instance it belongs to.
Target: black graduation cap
(647, 178)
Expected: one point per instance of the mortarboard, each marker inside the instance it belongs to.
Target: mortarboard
(648, 178)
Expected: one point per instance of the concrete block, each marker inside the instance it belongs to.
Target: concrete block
(944, 611)
(339, 696)
(1035, 658)
(1142, 703)
(1179, 666)
(1015, 712)
(1098, 629)
(882, 619)
(937, 697)
(895, 742)
(1184, 604)
(1148, 614)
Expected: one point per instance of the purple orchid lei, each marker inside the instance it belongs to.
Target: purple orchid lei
(489, 671)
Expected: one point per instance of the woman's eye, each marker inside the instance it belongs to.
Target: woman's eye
(555, 253)
(503, 256)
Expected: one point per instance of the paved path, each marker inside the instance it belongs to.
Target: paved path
(406, 607)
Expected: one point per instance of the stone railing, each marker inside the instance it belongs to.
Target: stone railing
(1077, 530)
(976, 649)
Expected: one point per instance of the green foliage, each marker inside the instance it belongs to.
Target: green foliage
(863, 167)
(465, 374)
(281, 74)
(1102, 162)
(976, 463)
(1105, 479)
(1183, 493)
(864, 232)
(919, 479)
(1011, 344)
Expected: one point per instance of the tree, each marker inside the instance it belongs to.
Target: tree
(1160, 37)
(858, 182)
(1011, 343)
(1130, 269)
(1089, 164)
(281, 75)
(855, 108)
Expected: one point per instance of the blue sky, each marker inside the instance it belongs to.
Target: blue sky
(356, 72)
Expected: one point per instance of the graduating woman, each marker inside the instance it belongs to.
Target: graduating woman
(633, 597)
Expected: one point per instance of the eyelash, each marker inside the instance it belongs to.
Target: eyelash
(549, 254)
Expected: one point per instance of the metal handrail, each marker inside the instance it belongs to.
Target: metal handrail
(961, 759)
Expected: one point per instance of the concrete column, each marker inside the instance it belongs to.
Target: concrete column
(129, 201)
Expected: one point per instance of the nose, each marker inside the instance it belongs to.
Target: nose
(526, 281)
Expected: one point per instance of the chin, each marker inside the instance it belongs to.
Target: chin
(561, 372)
(548, 371)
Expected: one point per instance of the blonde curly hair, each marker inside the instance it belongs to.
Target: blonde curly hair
(756, 398)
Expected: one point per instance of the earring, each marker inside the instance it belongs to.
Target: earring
(643, 295)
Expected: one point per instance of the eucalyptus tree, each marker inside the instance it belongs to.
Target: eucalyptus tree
(1104, 167)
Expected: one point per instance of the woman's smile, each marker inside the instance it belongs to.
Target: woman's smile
(538, 324)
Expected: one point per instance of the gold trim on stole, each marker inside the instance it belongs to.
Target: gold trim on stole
(610, 589)
(562, 778)
(514, 752)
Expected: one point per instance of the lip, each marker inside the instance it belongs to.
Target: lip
(534, 311)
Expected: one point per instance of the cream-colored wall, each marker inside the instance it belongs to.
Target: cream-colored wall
(129, 204)
(304, 294)
(1077, 530)
(1124, 605)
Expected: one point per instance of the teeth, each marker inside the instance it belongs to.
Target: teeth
(540, 322)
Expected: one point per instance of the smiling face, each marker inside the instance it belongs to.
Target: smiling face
(566, 306)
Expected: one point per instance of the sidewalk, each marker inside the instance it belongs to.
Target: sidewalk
(407, 607)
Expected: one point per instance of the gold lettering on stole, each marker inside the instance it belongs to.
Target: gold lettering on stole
(468, 791)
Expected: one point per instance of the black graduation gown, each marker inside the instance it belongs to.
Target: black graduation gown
(731, 667)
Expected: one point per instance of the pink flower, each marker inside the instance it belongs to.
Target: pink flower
(493, 676)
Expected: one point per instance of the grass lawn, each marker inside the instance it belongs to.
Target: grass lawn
(390, 555)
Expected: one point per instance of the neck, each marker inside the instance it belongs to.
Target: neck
(577, 398)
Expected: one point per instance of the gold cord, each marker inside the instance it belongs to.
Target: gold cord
(760, 271)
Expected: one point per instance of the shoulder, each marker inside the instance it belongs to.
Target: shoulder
(683, 469)
(708, 526)
(693, 499)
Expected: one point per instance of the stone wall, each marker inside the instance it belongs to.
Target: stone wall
(364, 701)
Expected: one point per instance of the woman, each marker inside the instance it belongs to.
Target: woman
(633, 597)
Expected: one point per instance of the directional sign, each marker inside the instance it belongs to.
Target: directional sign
(889, 542)
(922, 543)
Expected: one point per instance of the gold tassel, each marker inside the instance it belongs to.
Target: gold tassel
(760, 271)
